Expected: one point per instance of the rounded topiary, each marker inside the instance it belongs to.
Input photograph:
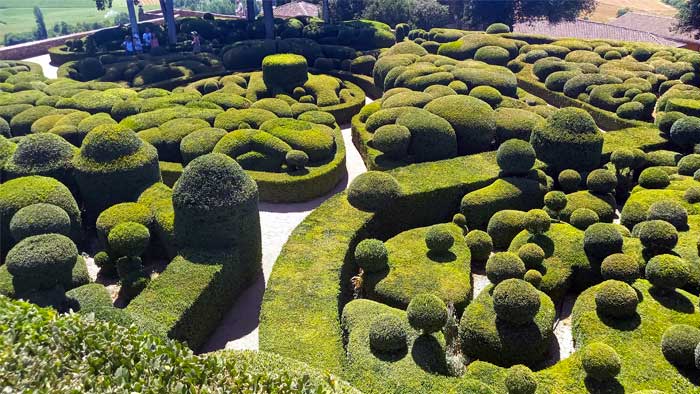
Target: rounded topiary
(393, 140)
(373, 191)
(520, 380)
(533, 277)
(128, 239)
(692, 194)
(568, 139)
(44, 154)
(678, 344)
(128, 265)
(497, 28)
(199, 142)
(42, 261)
(39, 219)
(654, 178)
(532, 255)
(284, 71)
(601, 181)
(641, 54)
(387, 334)
(492, 55)
(371, 255)
(667, 272)
(666, 120)
(689, 164)
(685, 132)
(460, 220)
(296, 159)
(516, 301)
(622, 158)
(620, 266)
(616, 299)
(487, 94)
(600, 361)
(103, 260)
(600, 240)
(504, 265)
(569, 180)
(631, 110)
(427, 313)
(555, 200)
(582, 218)
(537, 221)
(515, 157)
(480, 245)
(438, 239)
(658, 236)
(670, 211)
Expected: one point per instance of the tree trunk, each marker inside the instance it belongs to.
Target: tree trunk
(169, 15)
(269, 20)
(326, 12)
(250, 10)
(132, 18)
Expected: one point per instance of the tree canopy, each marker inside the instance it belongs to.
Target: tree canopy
(481, 13)
(689, 18)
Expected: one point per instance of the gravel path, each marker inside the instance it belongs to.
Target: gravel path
(44, 60)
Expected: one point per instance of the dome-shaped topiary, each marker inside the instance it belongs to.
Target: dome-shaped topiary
(392, 140)
(39, 219)
(622, 158)
(678, 344)
(427, 313)
(460, 220)
(515, 301)
(600, 361)
(666, 120)
(43, 154)
(199, 142)
(114, 166)
(296, 159)
(497, 28)
(654, 178)
(387, 334)
(515, 157)
(600, 240)
(620, 266)
(582, 218)
(520, 380)
(284, 71)
(127, 266)
(492, 55)
(667, 272)
(504, 265)
(371, 255)
(669, 211)
(487, 94)
(692, 194)
(689, 164)
(657, 236)
(601, 181)
(533, 277)
(537, 221)
(128, 239)
(616, 299)
(685, 132)
(569, 139)
(438, 239)
(532, 255)
(475, 129)
(373, 191)
(42, 261)
(480, 245)
(569, 180)
(216, 206)
(555, 200)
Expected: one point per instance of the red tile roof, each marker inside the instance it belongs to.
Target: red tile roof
(592, 30)
(297, 8)
(658, 25)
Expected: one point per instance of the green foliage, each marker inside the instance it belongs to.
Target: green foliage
(669, 211)
(427, 313)
(620, 267)
(537, 221)
(600, 361)
(689, 164)
(199, 143)
(515, 301)
(685, 132)
(39, 219)
(393, 140)
(497, 28)
(515, 123)
(601, 240)
(371, 255)
(474, 129)
(667, 272)
(373, 190)
(520, 380)
(43, 154)
(678, 344)
(480, 244)
(515, 157)
(121, 213)
(569, 180)
(665, 120)
(654, 178)
(42, 262)
(532, 255)
(129, 239)
(601, 181)
(296, 159)
(504, 265)
(657, 236)
(503, 226)
(616, 299)
(438, 239)
(493, 55)
(387, 334)
(582, 218)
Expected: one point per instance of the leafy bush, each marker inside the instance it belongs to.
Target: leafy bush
(387, 333)
(393, 140)
(620, 267)
(532, 255)
(667, 272)
(504, 226)
(504, 265)
(569, 180)
(427, 313)
(199, 143)
(474, 129)
(555, 201)
(689, 164)
(43, 154)
(601, 181)
(296, 159)
(373, 191)
(42, 262)
(432, 136)
(37, 219)
(665, 120)
(520, 380)
(480, 244)
(537, 221)
(515, 157)
(582, 218)
(515, 301)
(487, 94)
(685, 132)
(533, 277)
(129, 239)
(371, 255)
(600, 240)
(678, 344)
(515, 123)
(121, 213)
(654, 178)
(669, 211)
(600, 361)
(657, 236)
(497, 28)
(616, 299)
(438, 239)
(493, 55)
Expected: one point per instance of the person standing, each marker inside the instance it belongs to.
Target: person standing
(128, 45)
(196, 43)
(138, 46)
(147, 39)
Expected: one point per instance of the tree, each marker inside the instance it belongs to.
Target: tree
(426, 14)
(688, 18)
(388, 11)
(251, 13)
(269, 19)
(132, 18)
(169, 14)
(481, 13)
(41, 33)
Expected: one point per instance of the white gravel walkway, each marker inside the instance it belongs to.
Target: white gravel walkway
(44, 60)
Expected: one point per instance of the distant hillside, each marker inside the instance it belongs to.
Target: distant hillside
(607, 9)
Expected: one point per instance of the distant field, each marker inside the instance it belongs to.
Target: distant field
(607, 9)
(17, 15)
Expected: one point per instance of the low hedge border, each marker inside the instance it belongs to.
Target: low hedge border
(33, 67)
(606, 120)
(282, 187)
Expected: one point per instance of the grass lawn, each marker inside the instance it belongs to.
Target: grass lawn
(17, 16)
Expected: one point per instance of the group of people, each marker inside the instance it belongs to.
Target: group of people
(136, 45)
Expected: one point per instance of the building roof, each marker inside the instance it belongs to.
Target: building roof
(297, 8)
(662, 26)
(592, 30)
